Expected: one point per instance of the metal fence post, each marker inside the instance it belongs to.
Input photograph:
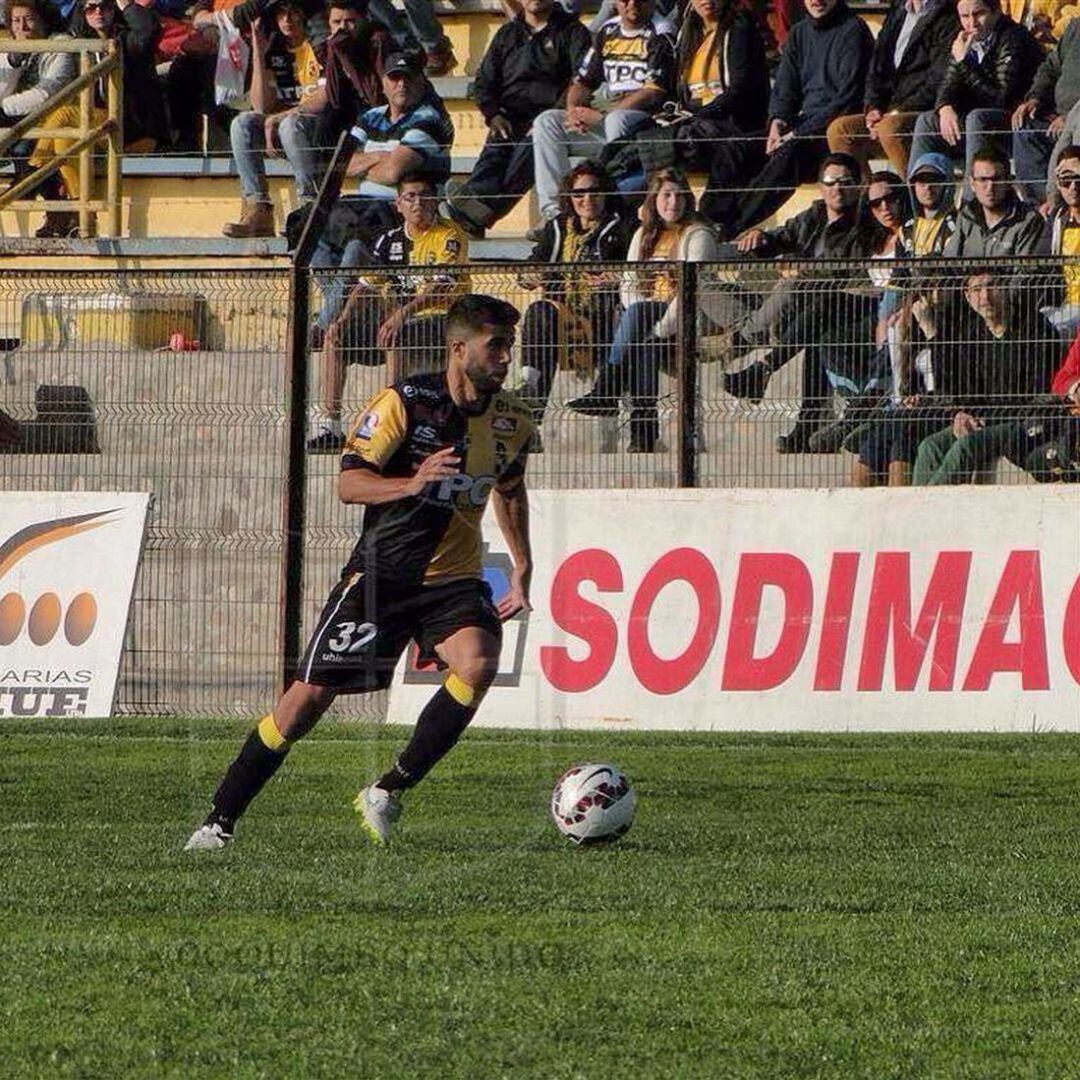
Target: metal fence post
(296, 397)
(686, 393)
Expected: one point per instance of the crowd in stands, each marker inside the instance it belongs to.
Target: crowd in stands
(938, 381)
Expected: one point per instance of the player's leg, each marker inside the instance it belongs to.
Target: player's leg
(462, 629)
(260, 757)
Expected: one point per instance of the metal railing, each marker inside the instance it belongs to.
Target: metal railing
(186, 384)
(86, 134)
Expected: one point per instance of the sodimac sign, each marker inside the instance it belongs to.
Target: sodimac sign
(915, 609)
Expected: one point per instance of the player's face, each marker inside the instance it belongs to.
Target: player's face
(418, 205)
(487, 357)
(342, 18)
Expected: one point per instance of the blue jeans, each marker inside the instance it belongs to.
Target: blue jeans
(982, 129)
(422, 26)
(247, 133)
(635, 350)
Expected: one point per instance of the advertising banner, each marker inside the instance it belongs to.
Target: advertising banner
(883, 610)
(67, 571)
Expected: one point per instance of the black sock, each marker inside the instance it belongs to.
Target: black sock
(440, 726)
(245, 777)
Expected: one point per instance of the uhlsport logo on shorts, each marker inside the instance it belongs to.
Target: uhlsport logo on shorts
(65, 588)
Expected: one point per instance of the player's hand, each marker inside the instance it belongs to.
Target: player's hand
(441, 465)
(949, 125)
(517, 599)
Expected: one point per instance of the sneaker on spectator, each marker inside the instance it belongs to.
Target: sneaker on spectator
(256, 220)
(440, 60)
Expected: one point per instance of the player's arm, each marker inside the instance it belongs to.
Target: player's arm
(510, 498)
(366, 487)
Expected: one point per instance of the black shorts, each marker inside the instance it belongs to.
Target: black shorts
(366, 624)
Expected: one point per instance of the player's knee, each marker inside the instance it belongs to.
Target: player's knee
(300, 709)
(477, 672)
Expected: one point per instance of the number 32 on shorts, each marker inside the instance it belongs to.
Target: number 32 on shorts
(352, 637)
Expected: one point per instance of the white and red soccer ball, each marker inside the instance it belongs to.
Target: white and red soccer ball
(593, 803)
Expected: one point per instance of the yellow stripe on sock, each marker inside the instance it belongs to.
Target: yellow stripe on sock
(271, 737)
(461, 691)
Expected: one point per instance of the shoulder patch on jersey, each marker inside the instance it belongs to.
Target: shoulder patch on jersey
(368, 423)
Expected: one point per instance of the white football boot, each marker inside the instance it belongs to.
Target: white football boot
(208, 838)
(378, 810)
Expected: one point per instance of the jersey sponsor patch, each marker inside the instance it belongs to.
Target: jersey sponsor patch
(368, 423)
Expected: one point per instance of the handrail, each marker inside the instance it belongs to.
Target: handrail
(87, 135)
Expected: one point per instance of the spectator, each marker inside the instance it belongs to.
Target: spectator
(821, 75)
(992, 62)
(399, 316)
(27, 81)
(579, 309)
(934, 218)
(723, 88)
(411, 133)
(622, 81)
(1043, 123)
(989, 365)
(1062, 238)
(423, 28)
(645, 338)
(284, 70)
(784, 319)
(995, 223)
(135, 30)
(526, 70)
(909, 60)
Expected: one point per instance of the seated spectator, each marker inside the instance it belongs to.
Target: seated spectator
(396, 317)
(992, 63)
(1062, 238)
(933, 220)
(135, 29)
(1043, 123)
(723, 88)
(909, 60)
(423, 28)
(645, 339)
(27, 81)
(578, 311)
(624, 78)
(526, 70)
(821, 75)
(284, 70)
(784, 319)
(995, 223)
(990, 364)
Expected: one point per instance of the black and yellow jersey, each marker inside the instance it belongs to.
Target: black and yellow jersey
(624, 61)
(444, 244)
(432, 538)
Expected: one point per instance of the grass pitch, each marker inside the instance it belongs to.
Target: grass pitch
(856, 906)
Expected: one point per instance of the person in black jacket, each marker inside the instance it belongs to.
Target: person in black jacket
(991, 64)
(524, 72)
(821, 76)
(910, 57)
(575, 319)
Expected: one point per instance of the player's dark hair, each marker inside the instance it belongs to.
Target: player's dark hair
(469, 314)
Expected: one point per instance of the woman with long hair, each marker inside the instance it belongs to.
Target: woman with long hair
(671, 231)
(574, 320)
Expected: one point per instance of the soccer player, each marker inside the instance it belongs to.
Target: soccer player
(423, 460)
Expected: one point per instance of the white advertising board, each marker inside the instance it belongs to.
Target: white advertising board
(67, 570)
(911, 609)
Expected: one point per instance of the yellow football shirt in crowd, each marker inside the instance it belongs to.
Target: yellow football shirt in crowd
(703, 76)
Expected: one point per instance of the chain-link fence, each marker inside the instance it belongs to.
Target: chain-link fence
(766, 375)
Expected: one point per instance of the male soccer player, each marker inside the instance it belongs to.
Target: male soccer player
(423, 459)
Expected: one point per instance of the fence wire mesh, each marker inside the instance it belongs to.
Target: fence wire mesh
(175, 383)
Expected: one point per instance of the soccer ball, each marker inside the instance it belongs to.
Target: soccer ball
(593, 804)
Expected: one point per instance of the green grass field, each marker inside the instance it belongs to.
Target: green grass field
(806, 906)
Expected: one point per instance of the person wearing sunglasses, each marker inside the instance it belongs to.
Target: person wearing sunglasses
(135, 29)
(1062, 239)
(573, 322)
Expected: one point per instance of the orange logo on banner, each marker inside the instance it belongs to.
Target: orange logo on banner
(46, 613)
